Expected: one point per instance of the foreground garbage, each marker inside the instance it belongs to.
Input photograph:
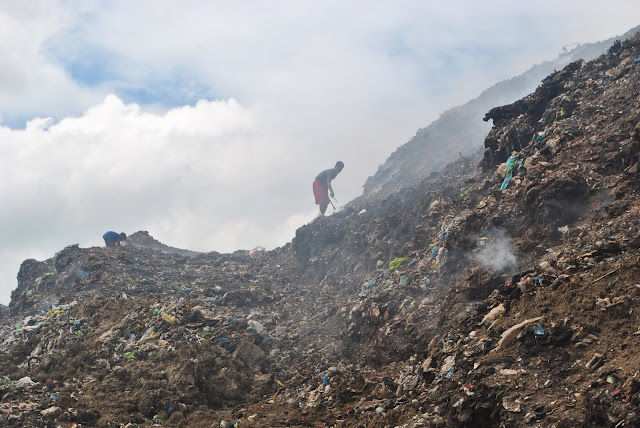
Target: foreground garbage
(501, 296)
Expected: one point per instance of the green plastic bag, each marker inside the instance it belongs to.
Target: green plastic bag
(397, 262)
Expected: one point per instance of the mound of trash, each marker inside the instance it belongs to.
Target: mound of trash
(500, 295)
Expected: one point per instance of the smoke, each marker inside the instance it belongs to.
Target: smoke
(495, 252)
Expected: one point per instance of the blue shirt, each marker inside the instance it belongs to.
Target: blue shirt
(112, 236)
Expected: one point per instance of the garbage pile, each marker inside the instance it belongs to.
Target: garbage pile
(501, 296)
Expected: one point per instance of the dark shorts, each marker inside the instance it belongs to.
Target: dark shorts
(321, 194)
(111, 242)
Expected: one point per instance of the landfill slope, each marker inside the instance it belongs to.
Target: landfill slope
(501, 291)
(460, 131)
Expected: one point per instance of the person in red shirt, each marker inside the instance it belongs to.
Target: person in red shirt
(322, 186)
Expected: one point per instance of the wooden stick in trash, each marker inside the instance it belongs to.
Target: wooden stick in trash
(606, 275)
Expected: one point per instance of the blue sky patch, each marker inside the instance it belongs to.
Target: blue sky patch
(92, 70)
(133, 81)
(173, 91)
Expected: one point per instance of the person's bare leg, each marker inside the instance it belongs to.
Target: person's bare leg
(323, 208)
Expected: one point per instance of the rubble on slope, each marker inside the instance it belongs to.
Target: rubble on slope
(501, 297)
(459, 131)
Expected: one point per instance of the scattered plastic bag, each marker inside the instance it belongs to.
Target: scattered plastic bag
(397, 262)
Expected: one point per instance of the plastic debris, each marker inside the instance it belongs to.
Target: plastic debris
(256, 251)
(171, 319)
(25, 381)
(493, 315)
(510, 334)
(594, 362)
(511, 164)
(397, 262)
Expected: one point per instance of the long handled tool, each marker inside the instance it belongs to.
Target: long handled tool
(334, 198)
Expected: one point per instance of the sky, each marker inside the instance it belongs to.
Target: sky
(205, 122)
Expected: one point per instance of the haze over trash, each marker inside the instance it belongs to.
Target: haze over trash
(205, 124)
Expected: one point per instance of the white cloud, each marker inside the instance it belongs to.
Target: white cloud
(291, 88)
(198, 177)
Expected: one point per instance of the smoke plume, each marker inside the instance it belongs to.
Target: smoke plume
(495, 252)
